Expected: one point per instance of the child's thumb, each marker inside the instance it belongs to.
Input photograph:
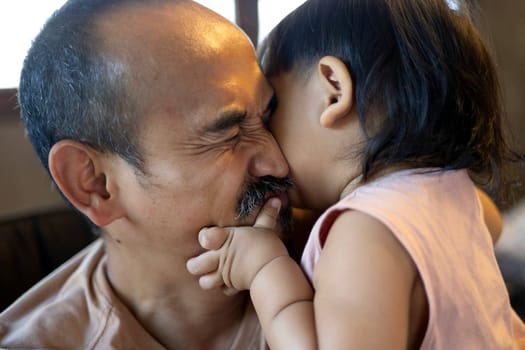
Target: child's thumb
(269, 213)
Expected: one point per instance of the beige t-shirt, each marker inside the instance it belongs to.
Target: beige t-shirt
(75, 308)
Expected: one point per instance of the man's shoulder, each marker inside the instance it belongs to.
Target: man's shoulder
(64, 308)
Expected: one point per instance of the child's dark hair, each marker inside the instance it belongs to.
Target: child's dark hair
(416, 64)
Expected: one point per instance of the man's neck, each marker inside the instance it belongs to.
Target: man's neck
(205, 323)
(174, 309)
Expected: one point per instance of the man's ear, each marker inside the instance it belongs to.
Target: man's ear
(337, 89)
(78, 171)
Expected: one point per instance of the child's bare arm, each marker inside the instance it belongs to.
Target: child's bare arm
(363, 281)
(254, 258)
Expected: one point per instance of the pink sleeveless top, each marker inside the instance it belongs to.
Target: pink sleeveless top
(438, 218)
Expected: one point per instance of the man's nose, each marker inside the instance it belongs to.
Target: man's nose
(269, 160)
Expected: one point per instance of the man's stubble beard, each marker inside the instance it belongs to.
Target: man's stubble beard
(255, 194)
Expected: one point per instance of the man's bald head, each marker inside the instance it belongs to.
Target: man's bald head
(190, 29)
(96, 59)
(177, 41)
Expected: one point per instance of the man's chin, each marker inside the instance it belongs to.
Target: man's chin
(247, 220)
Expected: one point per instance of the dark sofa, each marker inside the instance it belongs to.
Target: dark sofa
(34, 245)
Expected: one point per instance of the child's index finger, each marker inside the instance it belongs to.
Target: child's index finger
(269, 213)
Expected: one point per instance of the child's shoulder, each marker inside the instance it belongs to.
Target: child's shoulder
(413, 185)
(360, 257)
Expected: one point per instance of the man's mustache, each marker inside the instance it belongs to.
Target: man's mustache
(256, 192)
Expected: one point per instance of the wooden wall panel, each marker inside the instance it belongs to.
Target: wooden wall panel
(8, 103)
(247, 17)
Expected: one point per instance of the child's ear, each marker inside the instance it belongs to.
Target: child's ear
(78, 171)
(337, 87)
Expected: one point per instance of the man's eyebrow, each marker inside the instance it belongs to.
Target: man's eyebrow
(226, 120)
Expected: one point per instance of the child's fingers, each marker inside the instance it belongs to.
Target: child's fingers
(210, 281)
(269, 213)
(202, 264)
(229, 291)
(212, 238)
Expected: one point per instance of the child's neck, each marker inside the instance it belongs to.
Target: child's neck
(357, 181)
(354, 183)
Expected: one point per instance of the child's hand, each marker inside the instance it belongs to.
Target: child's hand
(237, 254)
